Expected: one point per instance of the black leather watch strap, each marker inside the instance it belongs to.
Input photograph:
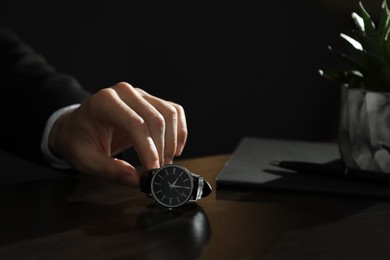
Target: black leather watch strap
(145, 180)
(206, 189)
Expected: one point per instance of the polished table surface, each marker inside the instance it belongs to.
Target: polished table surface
(79, 217)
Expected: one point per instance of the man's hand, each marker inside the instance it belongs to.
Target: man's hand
(113, 120)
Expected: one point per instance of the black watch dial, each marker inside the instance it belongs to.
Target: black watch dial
(172, 185)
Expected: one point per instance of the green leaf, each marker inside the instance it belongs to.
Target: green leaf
(351, 77)
(368, 23)
(375, 64)
(375, 60)
(386, 46)
(367, 55)
(352, 59)
(358, 21)
(384, 80)
(385, 15)
(356, 44)
(368, 43)
(334, 74)
(384, 21)
(368, 63)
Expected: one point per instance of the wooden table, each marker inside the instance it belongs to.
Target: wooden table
(79, 217)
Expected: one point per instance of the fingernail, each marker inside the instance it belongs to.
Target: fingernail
(168, 160)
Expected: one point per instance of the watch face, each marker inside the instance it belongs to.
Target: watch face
(172, 185)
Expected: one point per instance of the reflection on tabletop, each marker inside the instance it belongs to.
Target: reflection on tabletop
(80, 217)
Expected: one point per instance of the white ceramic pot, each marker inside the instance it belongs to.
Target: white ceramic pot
(364, 137)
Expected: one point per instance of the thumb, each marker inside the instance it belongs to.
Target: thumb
(112, 169)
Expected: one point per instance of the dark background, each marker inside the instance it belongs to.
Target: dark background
(237, 67)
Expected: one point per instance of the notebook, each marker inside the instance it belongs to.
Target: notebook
(249, 167)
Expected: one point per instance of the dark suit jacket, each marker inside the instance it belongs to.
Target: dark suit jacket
(31, 90)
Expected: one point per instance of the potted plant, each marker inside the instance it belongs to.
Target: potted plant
(364, 137)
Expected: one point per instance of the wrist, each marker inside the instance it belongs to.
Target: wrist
(53, 137)
(56, 136)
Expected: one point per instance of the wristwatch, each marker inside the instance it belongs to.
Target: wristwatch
(173, 185)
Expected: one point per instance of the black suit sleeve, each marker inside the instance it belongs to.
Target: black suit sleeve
(31, 90)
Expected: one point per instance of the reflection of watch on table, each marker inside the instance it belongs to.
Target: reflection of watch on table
(173, 185)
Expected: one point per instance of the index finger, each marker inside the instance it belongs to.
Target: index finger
(119, 115)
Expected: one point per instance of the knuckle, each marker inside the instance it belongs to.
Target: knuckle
(101, 97)
(169, 113)
(182, 134)
(123, 84)
(179, 109)
(104, 94)
(157, 120)
(141, 91)
(126, 88)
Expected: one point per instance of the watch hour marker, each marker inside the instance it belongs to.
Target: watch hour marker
(173, 186)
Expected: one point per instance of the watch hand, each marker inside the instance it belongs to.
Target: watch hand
(177, 191)
(173, 184)
(170, 185)
(183, 187)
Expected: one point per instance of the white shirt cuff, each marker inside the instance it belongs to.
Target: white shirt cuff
(53, 160)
